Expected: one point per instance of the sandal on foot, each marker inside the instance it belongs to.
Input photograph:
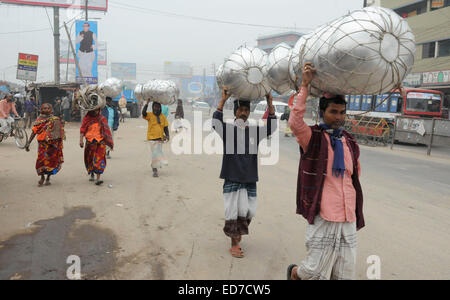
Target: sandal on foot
(289, 271)
(99, 182)
(237, 252)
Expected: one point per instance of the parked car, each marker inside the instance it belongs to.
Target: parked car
(198, 105)
(261, 108)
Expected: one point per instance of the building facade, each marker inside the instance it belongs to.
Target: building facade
(268, 42)
(430, 22)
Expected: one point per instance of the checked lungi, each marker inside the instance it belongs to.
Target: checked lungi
(240, 207)
(331, 251)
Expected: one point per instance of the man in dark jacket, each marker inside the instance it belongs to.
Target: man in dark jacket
(111, 114)
(329, 194)
(240, 166)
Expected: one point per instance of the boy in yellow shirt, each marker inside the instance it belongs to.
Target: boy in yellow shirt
(157, 134)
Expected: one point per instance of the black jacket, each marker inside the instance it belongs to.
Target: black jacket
(240, 159)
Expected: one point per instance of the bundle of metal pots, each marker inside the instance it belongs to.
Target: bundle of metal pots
(163, 91)
(93, 97)
(369, 51)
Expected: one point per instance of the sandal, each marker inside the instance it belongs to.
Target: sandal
(99, 182)
(289, 271)
(237, 252)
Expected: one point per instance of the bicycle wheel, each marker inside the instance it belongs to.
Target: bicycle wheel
(21, 137)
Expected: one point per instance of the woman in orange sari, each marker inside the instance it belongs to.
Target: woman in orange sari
(50, 133)
(97, 133)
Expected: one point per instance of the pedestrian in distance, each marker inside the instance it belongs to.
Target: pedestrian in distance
(157, 134)
(111, 113)
(49, 131)
(95, 137)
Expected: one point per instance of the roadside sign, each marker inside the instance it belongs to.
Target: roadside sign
(27, 67)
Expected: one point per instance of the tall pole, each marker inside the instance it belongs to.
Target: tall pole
(86, 10)
(204, 82)
(56, 42)
(77, 65)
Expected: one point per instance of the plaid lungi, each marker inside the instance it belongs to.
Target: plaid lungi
(240, 207)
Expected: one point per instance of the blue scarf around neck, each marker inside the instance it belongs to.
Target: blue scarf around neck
(338, 147)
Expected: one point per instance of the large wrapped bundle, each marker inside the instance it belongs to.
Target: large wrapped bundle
(139, 92)
(369, 51)
(91, 98)
(278, 69)
(245, 74)
(219, 76)
(162, 91)
(112, 87)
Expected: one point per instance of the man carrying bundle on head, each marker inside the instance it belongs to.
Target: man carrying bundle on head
(240, 166)
(157, 133)
(329, 193)
(96, 131)
(50, 133)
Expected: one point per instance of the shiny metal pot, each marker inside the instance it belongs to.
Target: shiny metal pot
(245, 74)
(278, 69)
(112, 87)
(369, 51)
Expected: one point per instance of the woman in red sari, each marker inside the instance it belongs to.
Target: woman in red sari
(50, 133)
(97, 133)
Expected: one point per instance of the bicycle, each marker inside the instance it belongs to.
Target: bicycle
(19, 132)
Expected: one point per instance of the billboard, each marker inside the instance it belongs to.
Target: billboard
(27, 67)
(199, 86)
(124, 71)
(65, 50)
(101, 5)
(87, 51)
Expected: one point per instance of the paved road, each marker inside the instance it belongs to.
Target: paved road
(171, 227)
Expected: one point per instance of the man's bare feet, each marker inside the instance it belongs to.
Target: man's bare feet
(41, 182)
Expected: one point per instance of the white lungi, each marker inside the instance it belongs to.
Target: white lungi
(331, 251)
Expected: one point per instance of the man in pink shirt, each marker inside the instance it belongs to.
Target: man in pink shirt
(329, 194)
(6, 106)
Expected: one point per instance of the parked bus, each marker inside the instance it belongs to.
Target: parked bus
(411, 102)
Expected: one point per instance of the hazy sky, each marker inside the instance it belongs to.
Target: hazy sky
(135, 33)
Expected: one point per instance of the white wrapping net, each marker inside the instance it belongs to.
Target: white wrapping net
(112, 87)
(369, 51)
(245, 74)
(163, 91)
(278, 69)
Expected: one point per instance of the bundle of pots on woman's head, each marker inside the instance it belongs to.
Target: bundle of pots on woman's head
(162, 91)
(369, 51)
(93, 97)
